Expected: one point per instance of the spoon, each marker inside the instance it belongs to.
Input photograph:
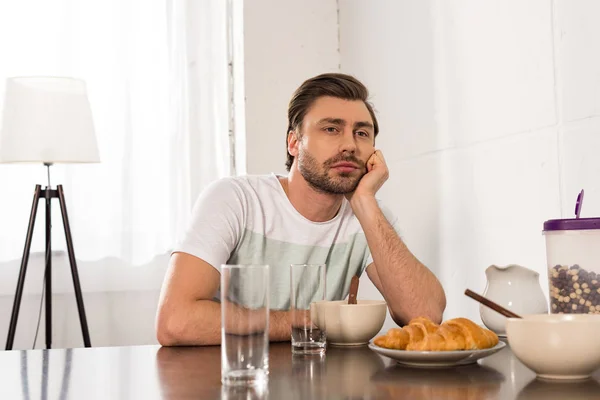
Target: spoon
(491, 304)
(579, 204)
(353, 290)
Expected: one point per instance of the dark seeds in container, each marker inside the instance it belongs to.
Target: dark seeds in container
(574, 290)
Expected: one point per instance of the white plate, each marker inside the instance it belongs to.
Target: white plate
(436, 359)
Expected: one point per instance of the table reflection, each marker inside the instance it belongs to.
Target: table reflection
(189, 370)
(343, 372)
(538, 389)
(340, 373)
(359, 373)
(44, 378)
(24, 375)
(457, 383)
(240, 393)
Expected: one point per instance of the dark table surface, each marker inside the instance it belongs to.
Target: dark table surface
(154, 372)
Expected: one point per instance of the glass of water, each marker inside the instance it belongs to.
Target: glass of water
(244, 325)
(307, 287)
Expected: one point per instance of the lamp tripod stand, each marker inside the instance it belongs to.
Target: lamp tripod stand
(48, 194)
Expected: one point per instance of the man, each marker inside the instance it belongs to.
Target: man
(323, 211)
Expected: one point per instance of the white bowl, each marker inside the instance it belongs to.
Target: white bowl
(350, 324)
(556, 346)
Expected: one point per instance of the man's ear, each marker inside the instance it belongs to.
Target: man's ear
(293, 142)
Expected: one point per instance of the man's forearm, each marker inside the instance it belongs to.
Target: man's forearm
(200, 324)
(409, 287)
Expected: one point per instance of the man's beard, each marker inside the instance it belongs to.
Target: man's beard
(343, 183)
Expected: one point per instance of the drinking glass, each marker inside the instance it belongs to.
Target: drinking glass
(307, 287)
(244, 325)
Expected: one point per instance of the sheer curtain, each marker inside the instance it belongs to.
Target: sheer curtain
(158, 78)
(157, 75)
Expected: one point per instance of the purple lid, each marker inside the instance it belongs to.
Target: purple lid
(571, 224)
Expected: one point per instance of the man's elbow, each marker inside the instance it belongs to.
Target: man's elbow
(167, 331)
(431, 309)
(442, 303)
(165, 337)
(436, 315)
(438, 306)
(433, 312)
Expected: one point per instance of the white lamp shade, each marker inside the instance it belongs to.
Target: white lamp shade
(48, 120)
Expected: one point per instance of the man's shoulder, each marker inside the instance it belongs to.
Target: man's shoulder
(243, 184)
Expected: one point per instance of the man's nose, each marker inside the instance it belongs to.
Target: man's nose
(348, 143)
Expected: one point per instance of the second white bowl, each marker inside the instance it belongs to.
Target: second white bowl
(556, 346)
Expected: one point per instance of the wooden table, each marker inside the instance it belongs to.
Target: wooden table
(153, 372)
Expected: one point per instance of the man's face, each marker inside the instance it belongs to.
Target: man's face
(336, 140)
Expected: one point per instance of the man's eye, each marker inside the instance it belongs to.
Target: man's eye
(362, 133)
(331, 129)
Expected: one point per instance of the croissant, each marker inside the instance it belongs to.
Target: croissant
(415, 331)
(421, 334)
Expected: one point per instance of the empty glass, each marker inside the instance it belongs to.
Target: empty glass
(244, 325)
(307, 287)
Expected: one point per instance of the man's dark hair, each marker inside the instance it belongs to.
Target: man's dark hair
(337, 85)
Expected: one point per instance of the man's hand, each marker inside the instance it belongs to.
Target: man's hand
(371, 182)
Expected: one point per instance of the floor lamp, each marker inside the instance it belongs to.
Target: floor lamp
(47, 120)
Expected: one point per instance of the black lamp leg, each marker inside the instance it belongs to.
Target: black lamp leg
(21, 281)
(74, 273)
(48, 273)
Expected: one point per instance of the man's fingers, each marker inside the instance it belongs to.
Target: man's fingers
(372, 161)
(376, 158)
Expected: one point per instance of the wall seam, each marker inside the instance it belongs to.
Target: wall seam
(556, 36)
(339, 35)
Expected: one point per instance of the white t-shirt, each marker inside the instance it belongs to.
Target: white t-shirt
(250, 220)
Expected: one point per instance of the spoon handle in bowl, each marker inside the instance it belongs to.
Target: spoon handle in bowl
(353, 290)
(488, 303)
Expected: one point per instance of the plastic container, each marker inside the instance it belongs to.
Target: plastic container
(573, 259)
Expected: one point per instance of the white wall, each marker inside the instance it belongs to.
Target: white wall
(490, 118)
(285, 42)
